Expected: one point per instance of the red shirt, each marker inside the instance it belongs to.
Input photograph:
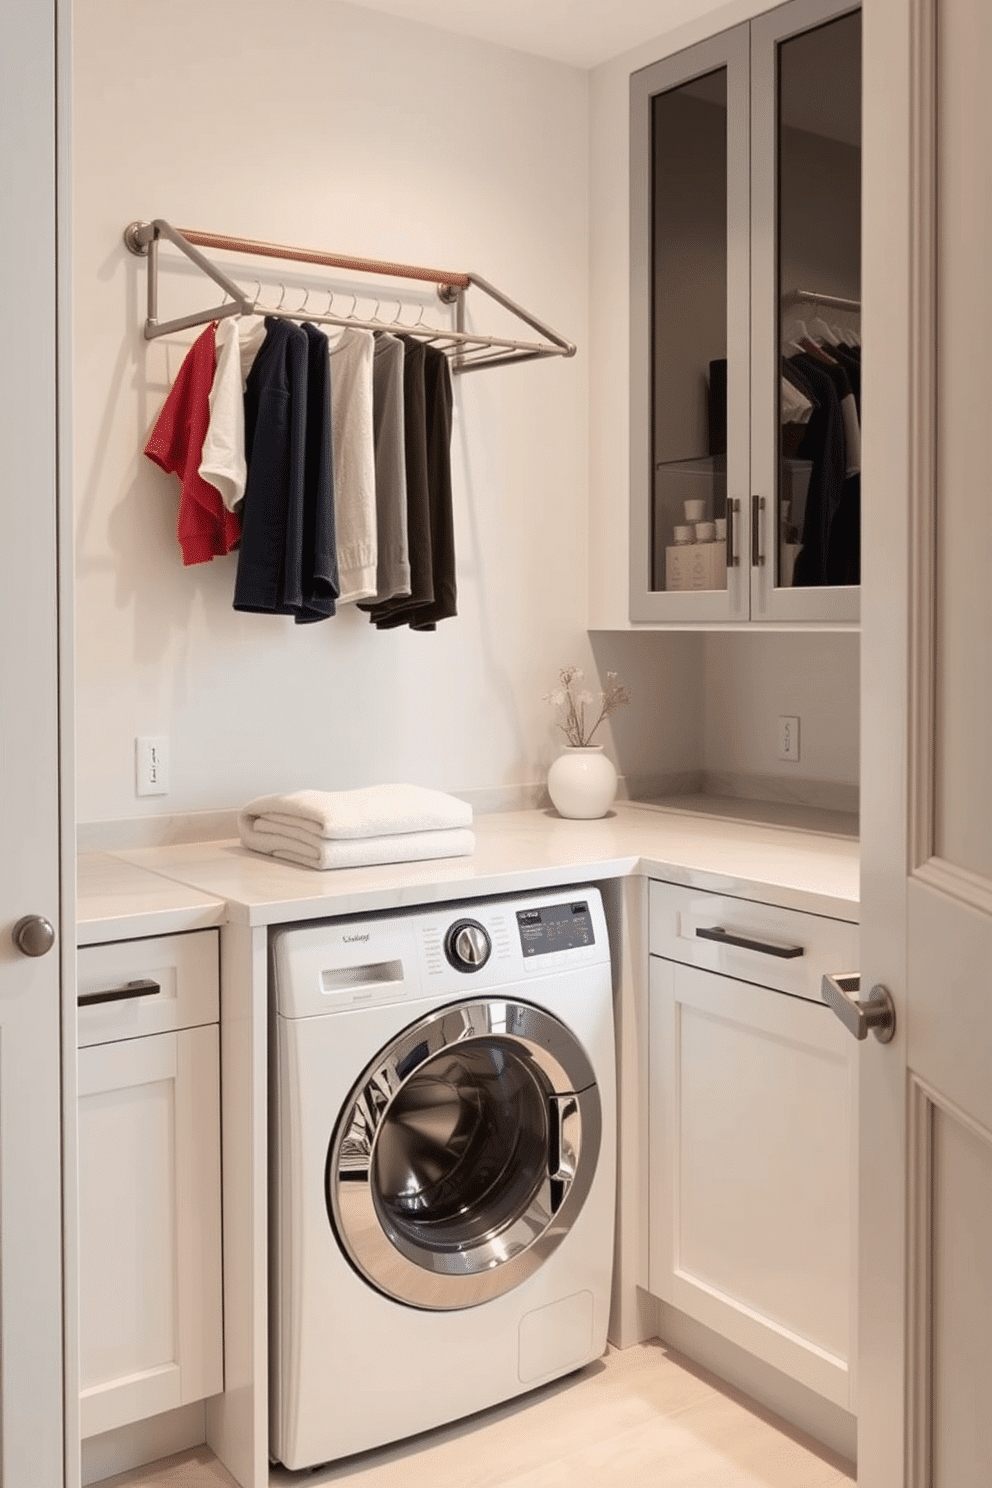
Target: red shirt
(206, 528)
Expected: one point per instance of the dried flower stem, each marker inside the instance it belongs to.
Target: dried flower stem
(573, 725)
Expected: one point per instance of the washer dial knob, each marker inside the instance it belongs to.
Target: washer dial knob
(467, 945)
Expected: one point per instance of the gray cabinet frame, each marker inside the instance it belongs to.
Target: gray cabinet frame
(749, 52)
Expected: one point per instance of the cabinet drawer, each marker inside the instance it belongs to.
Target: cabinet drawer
(788, 949)
(185, 969)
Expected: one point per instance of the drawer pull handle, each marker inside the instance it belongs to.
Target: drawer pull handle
(143, 988)
(724, 937)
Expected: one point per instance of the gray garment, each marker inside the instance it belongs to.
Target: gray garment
(393, 559)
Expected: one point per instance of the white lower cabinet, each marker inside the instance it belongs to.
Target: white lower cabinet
(753, 1131)
(149, 1179)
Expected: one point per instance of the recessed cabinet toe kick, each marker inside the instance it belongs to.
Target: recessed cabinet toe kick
(753, 1131)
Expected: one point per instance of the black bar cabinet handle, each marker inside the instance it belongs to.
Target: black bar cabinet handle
(143, 988)
(733, 507)
(724, 937)
(757, 507)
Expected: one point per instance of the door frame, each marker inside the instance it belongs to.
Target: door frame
(898, 529)
(65, 572)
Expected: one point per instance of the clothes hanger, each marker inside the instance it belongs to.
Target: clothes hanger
(825, 332)
(798, 334)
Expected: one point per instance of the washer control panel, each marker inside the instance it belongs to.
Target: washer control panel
(443, 949)
(555, 927)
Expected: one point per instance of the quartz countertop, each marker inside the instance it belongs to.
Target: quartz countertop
(117, 900)
(157, 890)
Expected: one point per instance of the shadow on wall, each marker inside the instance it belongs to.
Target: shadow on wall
(657, 742)
(705, 711)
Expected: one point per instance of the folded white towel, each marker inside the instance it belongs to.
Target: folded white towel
(357, 852)
(373, 811)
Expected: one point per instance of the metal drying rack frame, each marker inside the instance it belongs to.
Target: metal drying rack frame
(469, 350)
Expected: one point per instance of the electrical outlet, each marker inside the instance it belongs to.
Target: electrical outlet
(788, 739)
(151, 763)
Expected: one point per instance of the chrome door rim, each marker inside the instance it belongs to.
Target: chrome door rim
(458, 1276)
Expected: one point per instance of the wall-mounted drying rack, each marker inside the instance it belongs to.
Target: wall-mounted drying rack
(469, 350)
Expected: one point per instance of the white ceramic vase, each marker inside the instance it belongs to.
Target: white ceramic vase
(582, 782)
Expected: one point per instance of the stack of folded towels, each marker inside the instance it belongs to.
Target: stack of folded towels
(358, 828)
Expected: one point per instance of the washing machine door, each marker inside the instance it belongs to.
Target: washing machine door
(464, 1153)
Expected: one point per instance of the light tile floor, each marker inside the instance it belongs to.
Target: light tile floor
(644, 1416)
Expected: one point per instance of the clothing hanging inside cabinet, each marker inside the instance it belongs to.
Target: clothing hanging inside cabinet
(823, 370)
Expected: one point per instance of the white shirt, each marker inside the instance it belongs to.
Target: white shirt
(222, 461)
(351, 353)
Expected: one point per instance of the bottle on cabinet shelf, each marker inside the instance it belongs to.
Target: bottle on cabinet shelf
(698, 557)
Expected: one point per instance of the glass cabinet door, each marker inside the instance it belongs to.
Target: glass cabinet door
(806, 297)
(689, 334)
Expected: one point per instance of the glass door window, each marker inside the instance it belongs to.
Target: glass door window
(689, 335)
(464, 1154)
(689, 332)
(818, 499)
(806, 295)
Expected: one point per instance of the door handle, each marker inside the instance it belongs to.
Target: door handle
(564, 1140)
(766, 947)
(877, 1013)
(565, 1137)
(33, 935)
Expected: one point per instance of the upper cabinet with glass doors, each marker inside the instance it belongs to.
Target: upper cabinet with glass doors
(745, 331)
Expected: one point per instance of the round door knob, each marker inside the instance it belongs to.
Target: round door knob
(33, 935)
(468, 946)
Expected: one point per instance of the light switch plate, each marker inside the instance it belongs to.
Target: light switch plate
(151, 765)
(788, 739)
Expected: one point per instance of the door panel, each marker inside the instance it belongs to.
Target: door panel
(150, 1226)
(963, 710)
(753, 1133)
(961, 1300)
(949, 1006)
(926, 1118)
(30, 1130)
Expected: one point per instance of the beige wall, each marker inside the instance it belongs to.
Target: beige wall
(752, 680)
(318, 123)
(406, 142)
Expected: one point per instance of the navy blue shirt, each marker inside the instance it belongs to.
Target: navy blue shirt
(319, 563)
(269, 577)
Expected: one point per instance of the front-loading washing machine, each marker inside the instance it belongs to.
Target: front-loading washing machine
(443, 1164)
